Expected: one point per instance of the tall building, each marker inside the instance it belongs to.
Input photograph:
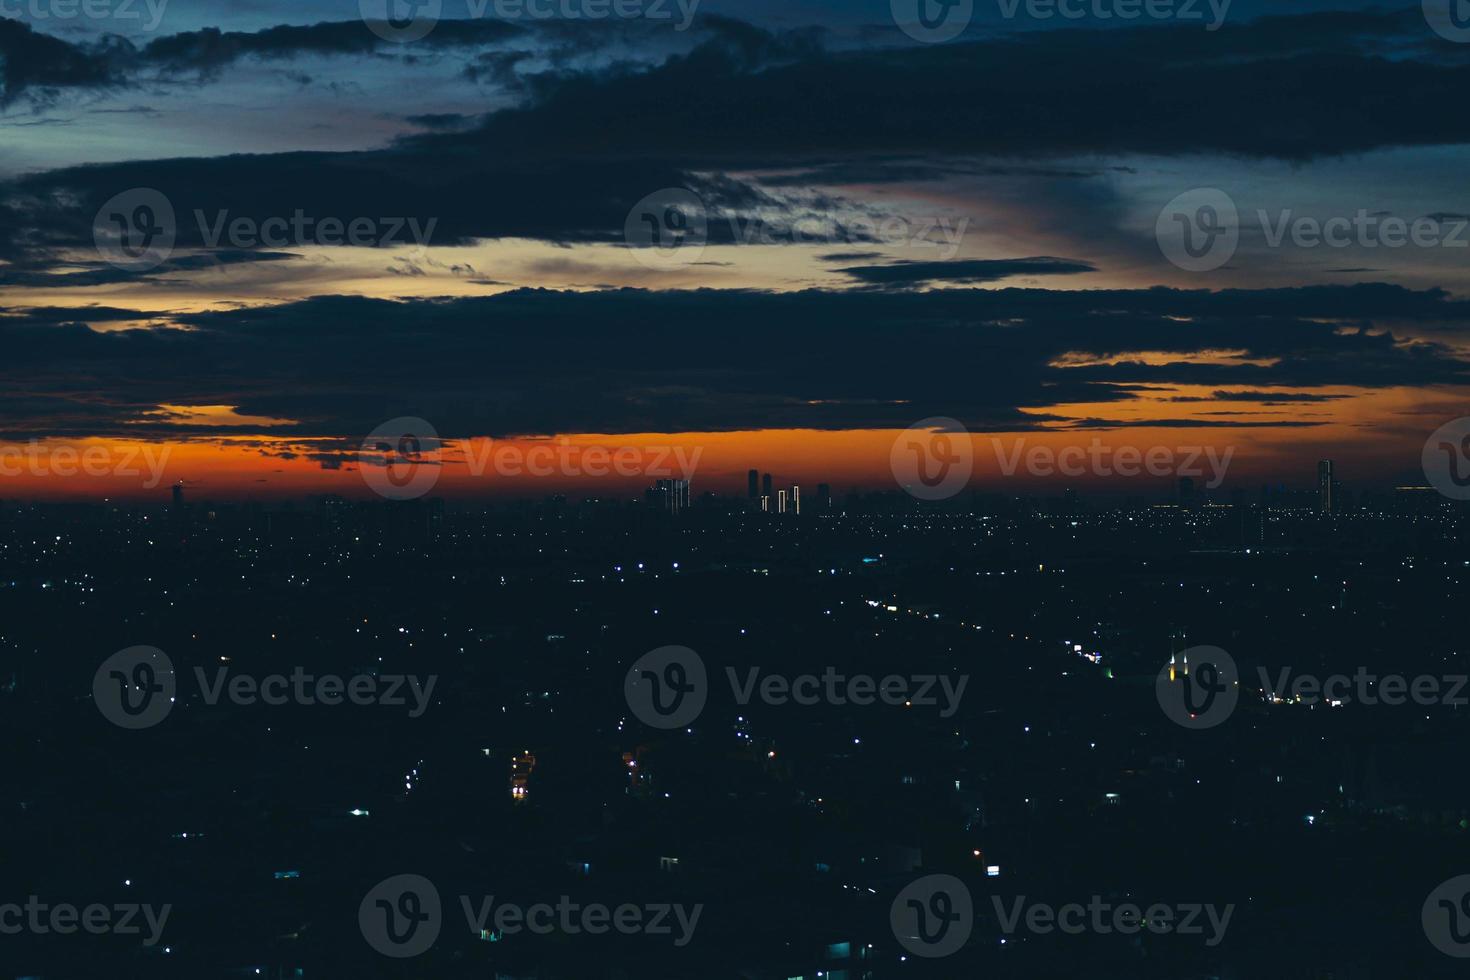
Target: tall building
(766, 485)
(795, 499)
(753, 481)
(781, 502)
(671, 496)
(1326, 487)
(824, 496)
(178, 496)
(1186, 491)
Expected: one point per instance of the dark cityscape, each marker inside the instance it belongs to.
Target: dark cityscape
(1035, 765)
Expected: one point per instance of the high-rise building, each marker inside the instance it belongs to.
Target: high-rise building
(671, 496)
(753, 481)
(178, 496)
(781, 502)
(765, 504)
(1186, 491)
(795, 499)
(824, 497)
(1326, 486)
(766, 485)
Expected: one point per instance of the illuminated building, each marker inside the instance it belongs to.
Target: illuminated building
(521, 768)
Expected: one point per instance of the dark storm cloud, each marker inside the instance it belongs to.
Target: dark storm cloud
(538, 362)
(568, 165)
(207, 51)
(97, 273)
(442, 120)
(35, 61)
(906, 274)
(1287, 87)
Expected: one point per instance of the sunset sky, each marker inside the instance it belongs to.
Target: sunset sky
(885, 230)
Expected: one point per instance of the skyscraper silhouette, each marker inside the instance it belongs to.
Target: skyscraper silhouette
(1326, 497)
